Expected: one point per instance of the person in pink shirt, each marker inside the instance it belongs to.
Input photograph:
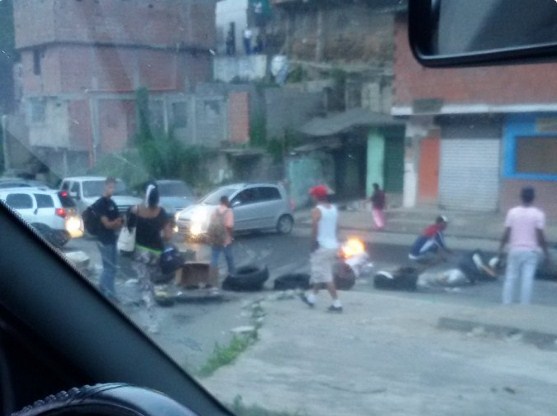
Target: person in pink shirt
(524, 234)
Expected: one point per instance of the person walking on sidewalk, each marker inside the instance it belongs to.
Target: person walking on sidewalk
(378, 206)
(110, 222)
(524, 234)
(429, 248)
(324, 248)
(220, 236)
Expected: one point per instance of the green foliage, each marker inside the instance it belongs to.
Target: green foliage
(339, 77)
(126, 165)
(224, 355)
(239, 408)
(278, 148)
(297, 75)
(155, 155)
(258, 131)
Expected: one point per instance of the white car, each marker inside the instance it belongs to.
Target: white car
(52, 213)
(87, 189)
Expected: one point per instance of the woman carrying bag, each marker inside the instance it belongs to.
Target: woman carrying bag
(150, 221)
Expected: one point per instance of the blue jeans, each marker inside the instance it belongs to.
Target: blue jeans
(109, 255)
(215, 254)
(521, 265)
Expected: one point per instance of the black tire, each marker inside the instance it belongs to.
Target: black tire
(285, 224)
(292, 281)
(114, 399)
(246, 279)
(343, 276)
(403, 279)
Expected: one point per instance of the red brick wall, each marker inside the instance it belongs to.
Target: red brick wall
(158, 70)
(194, 70)
(113, 69)
(546, 196)
(81, 135)
(492, 85)
(114, 124)
(238, 117)
(146, 22)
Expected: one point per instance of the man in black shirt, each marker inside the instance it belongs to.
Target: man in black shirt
(111, 221)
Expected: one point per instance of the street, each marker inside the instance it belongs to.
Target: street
(384, 331)
(289, 254)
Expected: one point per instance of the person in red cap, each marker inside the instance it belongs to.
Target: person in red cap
(324, 247)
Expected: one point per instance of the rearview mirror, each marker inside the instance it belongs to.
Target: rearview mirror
(467, 32)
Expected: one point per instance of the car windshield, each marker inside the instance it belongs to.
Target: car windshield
(179, 189)
(213, 198)
(405, 264)
(96, 188)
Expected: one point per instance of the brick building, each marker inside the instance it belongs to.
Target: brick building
(476, 135)
(345, 48)
(83, 60)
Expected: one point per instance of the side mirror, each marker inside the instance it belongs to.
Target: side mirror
(473, 32)
(236, 203)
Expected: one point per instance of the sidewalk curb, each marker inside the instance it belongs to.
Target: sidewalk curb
(403, 239)
(542, 340)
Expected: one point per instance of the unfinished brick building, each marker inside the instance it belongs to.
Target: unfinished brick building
(83, 60)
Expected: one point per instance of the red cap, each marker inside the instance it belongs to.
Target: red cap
(319, 191)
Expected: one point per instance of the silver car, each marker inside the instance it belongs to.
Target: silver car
(259, 206)
(175, 195)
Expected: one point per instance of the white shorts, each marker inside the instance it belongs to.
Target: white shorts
(322, 262)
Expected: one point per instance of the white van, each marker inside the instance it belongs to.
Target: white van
(87, 189)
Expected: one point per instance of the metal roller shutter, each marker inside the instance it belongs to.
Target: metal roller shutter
(469, 174)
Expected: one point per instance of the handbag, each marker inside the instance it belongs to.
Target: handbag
(126, 240)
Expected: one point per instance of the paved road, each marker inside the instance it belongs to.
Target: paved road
(285, 370)
(289, 254)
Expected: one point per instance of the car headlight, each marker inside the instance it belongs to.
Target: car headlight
(74, 226)
(198, 222)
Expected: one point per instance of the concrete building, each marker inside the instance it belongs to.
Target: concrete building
(345, 49)
(476, 135)
(83, 61)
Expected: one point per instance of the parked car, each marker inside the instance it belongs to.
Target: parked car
(175, 195)
(52, 213)
(87, 189)
(256, 207)
(21, 183)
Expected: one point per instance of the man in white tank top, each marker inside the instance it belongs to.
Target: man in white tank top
(324, 248)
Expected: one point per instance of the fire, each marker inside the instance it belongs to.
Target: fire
(352, 247)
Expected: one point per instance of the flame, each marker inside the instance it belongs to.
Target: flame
(352, 247)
